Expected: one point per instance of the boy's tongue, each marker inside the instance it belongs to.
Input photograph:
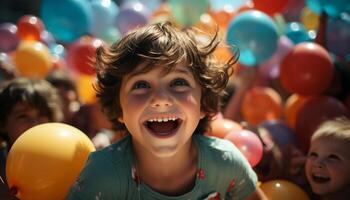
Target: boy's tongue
(162, 127)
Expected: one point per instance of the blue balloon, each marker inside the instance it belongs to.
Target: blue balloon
(256, 36)
(67, 20)
(280, 133)
(332, 7)
(103, 15)
(297, 33)
(188, 12)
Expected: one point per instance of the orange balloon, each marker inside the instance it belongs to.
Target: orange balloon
(292, 106)
(85, 88)
(207, 24)
(260, 104)
(45, 160)
(30, 28)
(33, 59)
(220, 127)
(281, 189)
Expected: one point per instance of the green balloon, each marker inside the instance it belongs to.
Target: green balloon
(188, 12)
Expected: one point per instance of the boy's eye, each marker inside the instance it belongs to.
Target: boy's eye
(141, 85)
(333, 157)
(179, 82)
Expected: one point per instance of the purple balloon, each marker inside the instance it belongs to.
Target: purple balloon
(131, 15)
(280, 133)
(338, 36)
(271, 67)
(8, 37)
(47, 38)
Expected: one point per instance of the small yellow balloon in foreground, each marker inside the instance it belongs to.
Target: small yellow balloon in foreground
(45, 160)
(282, 189)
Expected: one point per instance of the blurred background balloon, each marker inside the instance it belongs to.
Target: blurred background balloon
(282, 189)
(269, 7)
(271, 67)
(67, 20)
(104, 13)
(312, 113)
(45, 160)
(131, 15)
(292, 106)
(8, 37)
(81, 54)
(220, 127)
(292, 10)
(256, 36)
(333, 8)
(309, 19)
(32, 59)
(296, 32)
(248, 143)
(110, 35)
(338, 35)
(260, 104)
(30, 28)
(307, 69)
(188, 12)
(47, 38)
(85, 88)
(280, 133)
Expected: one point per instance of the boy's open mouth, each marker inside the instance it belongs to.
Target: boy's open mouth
(163, 127)
(320, 179)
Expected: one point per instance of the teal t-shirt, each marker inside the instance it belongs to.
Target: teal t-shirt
(222, 172)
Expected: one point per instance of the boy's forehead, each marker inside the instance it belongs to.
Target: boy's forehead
(181, 67)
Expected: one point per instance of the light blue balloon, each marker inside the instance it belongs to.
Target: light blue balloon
(104, 13)
(67, 20)
(297, 33)
(256, 36)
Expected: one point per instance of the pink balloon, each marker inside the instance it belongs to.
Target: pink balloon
(248, 143)
(270, 68)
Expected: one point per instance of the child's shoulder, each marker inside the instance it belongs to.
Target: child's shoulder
(214, 144)
(117, 152)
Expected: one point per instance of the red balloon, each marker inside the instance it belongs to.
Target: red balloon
(30, 28)
(248, 144)
(315, 111)
(220, 127)
(260, 104)
(307, 69)
(270, 7)
(81, 53)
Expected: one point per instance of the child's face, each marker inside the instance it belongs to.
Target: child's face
(21, 118)
(161, 110)
(328, 166)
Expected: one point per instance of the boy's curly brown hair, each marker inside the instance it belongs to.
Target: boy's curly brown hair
(165, 45)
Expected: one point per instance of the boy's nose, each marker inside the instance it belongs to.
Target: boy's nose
(161, 99)
(319, 163)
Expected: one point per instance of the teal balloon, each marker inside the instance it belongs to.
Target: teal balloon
(110, 36)
(188, 12)
(256, 36)
(67, 20)
(297, 33)
(333, 8)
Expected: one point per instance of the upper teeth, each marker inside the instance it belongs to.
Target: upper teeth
(162, 119)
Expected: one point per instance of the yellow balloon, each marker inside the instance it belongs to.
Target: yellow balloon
(281, 189)
(85, 88)
(33, 59)
(309, 19)
(45, 160)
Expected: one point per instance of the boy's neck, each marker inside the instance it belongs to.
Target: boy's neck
(166, 175)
